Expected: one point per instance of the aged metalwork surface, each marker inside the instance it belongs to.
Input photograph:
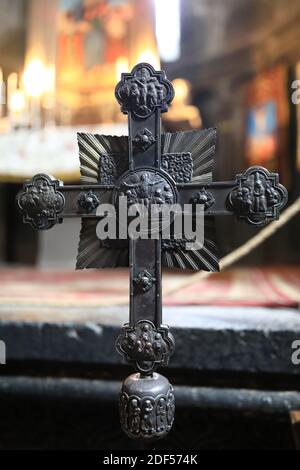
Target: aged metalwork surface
(152, 169)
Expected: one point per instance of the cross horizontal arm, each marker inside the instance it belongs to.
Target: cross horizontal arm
(256, 196)
(45, 201)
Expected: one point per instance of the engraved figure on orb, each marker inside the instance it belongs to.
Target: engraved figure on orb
(148, 417)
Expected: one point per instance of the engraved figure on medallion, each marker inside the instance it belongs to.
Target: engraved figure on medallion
(41, 202)
(145, 187)
(143, 90)
(146, 345)
(258, 196)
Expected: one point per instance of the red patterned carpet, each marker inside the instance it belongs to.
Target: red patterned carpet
(274, 287)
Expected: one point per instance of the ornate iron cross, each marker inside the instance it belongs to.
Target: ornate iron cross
(152, 169)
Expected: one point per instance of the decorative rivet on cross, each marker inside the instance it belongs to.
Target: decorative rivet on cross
(143, 139)
(151, 169)
(88, 201)
(204, 198)
(144, 280)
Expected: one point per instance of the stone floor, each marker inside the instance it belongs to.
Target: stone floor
(28, 424)
(215, 347)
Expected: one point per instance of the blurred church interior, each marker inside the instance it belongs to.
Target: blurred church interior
(234, 65)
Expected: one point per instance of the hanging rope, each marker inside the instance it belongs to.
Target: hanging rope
(242, 250)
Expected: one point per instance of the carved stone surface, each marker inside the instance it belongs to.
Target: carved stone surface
(40, 202)
(110, 167)
(203, 197)
(147, 406)
(143, 90)
(146, 186)
(178, 165)
(240, 330)
(88, 201)
(144, 281)
(143, 140)
(258, 196)
(145, 345)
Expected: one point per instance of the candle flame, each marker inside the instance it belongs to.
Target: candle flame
(38, 79)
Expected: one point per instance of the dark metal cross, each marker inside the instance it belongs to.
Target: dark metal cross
(151, 169)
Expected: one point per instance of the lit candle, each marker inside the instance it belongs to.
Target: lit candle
(17, 102)
(12, 84)
(2, 94)
(34, 80)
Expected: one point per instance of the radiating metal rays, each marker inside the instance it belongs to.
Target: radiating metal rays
(92, 147)
(200, 143)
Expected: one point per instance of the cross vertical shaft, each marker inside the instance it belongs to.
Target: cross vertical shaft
(145, 255)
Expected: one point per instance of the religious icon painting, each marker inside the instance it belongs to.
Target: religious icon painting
(267, 118)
